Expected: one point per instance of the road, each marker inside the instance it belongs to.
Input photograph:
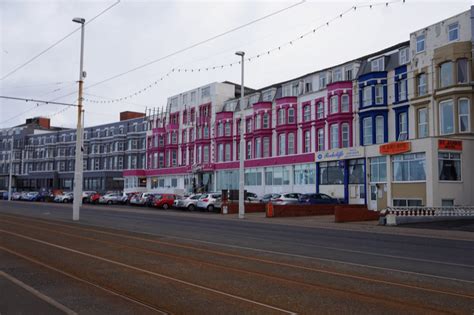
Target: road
(118, 260)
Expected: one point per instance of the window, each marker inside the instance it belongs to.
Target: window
(379, 129)
(378, 169)
(227, 129)
(330, 173)
(258, 121)
(174, 138)
(206, 154)
(334, 104)
(404, 56)
(279, 175)
(291, 116)
(308, 85)
(281, 144)
(307, 113)
(249, 125)
(377, 64)
(420, 43)
(320, 139)
(356, 171)
(409, 167)
(367, 130)
(402, 126)
(206, 132)
(266, 147)
(447, 202)
(220, 154)
(407, 202)
(446, 74)
(446, 117)
(174, 157)
(281, 116)
(322, 81)
(348, 73)
(421, 79)
(205, 92)
(379, 94)
(462, 70)
(345, 103)
(367, 100)
(249, 150)
(220, 131)
(227, 152)
(334, 136)
(253, 177)
(453, 32)
(337, 75)
(423, 122)
(258, 148)
(402, 90)
(267, 96)
(266, 120)
(320, 110)
(305, 174)
(345, 135)
(449, 166)
(291, 143)
(463, 114)
(307, 141)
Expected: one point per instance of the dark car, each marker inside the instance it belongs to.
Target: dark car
(317, 199)
(266, 198)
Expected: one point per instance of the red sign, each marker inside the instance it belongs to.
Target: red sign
(450, 145)
(395, 148)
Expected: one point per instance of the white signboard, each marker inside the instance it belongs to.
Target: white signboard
(340, 154)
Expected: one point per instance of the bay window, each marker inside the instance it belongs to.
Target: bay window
(291, 143)
(334, 108)
(258, 148)
(291, 116)
(321, 139)
(446, 117)
(307, 141)
(266, 120)
(257, 122)
(446, 74)
(367, 96)
(220, 155)
(334, 136)
(227, 129)
(379, 94)
(281, 144)
(281, 116)
(462, 67)
(227, 152)
(345, 135)
(367, 130)
(266, 147)
(379, 129)
(345, 103)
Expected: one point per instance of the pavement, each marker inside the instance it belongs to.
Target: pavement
(300, 265)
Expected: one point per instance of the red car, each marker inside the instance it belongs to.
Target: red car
(95, 198)
(164, 201)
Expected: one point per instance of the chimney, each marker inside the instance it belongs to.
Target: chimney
(130, 115)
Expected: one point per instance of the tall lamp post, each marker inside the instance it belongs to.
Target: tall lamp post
(10, 171)
(242, 143)
(78, 172)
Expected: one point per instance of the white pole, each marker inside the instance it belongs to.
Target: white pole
(77, 203)
(10, 173)
(242, 145)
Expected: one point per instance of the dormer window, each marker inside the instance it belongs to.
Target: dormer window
(322, 81)
(337, 75)
(404, 56)
(377, 64)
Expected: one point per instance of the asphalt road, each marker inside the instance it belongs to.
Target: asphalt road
(170, 262)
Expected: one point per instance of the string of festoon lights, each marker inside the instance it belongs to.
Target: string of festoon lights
(278, 48)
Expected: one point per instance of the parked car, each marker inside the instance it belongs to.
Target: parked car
(65, 197)
(285, 198)
(189, 203)
(140, 199)
(127, 197)
(164, 201)
(16, 196)
(317, 199)
(251, 197)
(95, 198)
(209, 202)
(266, 198)
(23, 195)
(111, 199)
(150, 199)
(86, 195)
(34, 196)
(3, 194)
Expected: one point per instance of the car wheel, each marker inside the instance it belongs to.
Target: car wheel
(210, 208)
(109, 202)
(65, 201)
(165, 206)
(191, 207)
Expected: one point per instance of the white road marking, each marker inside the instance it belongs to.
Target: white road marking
(151, 273)
(38, 294)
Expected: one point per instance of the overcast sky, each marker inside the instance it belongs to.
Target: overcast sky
(133, 33)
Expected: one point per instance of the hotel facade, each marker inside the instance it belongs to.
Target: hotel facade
(394, 128)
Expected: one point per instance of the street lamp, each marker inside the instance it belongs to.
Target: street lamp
(10, 170)
(78, 159)
(242, 143)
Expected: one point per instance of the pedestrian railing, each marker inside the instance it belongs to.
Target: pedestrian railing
(456, 211)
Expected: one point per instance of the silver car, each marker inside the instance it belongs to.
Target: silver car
(140, 199)
(65, 197)
(209, 202)
(285, 198)
(110, 199)
(188, 203)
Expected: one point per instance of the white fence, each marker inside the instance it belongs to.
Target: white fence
(397, 215)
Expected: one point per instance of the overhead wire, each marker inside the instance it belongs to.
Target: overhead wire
(56, 43)
(222, 66)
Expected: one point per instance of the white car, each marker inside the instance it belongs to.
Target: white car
(65, 197)
(140, 199)
(188, 203)
(110, 199)
(209, 201)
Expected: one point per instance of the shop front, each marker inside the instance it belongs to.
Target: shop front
(341, 173)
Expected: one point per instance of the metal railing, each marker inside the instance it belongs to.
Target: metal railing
(455, 211)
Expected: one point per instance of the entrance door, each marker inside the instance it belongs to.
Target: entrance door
(373, 197)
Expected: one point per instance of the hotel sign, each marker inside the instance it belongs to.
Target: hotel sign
(454, 145)
(340, 154)
(395, 148)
